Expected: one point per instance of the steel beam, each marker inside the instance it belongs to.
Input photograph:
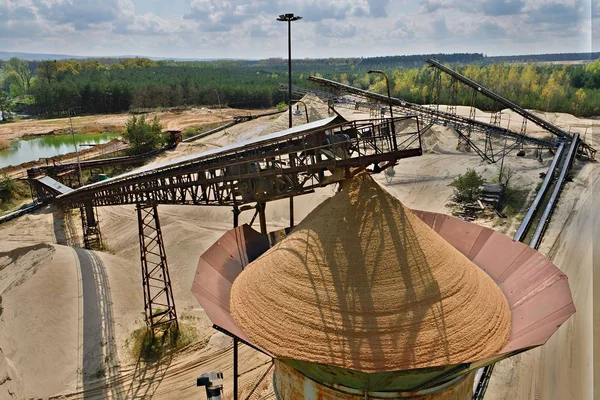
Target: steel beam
(429, 114)
(555, 130)
(270, 170)
(159, 303)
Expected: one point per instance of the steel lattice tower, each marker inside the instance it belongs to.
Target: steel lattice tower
(159, 304)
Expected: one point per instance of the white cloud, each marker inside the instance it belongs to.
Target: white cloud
(248, 28)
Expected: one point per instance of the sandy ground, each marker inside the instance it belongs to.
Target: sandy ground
(176, 120)
(68, 313)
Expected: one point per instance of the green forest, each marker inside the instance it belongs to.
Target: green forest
(89, 86)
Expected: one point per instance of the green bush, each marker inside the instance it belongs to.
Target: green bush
(7, 188)
(144, 136)
(281, 106)
(147, 347)
(467, 186)
(11, 192)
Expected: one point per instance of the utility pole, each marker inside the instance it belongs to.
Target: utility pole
(71, 113)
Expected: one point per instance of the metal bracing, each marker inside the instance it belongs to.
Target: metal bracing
(301, 92)
(92, 236)
(478, 88)
(453, 87)
(428, 114)
(468, 142)
(488, 149)
(159, 305)
(272, 169)
(473, 112)
(435, 90)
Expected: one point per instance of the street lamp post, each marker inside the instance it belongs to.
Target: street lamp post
(387, 84)
(289, 18)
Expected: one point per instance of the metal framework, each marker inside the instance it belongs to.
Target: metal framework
(428, 114)
(159, 304)
(269, 169)
(478, 88)
(92, 236)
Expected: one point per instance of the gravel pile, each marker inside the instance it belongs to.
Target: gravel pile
(362, 283)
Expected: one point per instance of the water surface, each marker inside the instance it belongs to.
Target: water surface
(26, 150)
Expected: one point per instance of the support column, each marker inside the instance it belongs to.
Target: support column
(92, 237)
(260, 207)
(159, 304)
(291, 211)
(235, 368)
(236, 216)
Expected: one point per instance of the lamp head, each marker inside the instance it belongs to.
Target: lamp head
(288, 17)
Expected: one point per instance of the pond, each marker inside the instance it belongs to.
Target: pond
(32, 149)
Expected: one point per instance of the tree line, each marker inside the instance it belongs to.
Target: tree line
(54, 87)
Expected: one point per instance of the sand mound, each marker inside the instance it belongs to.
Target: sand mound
(17, 265)
(317, 109)
(11, 384)
(362, 283)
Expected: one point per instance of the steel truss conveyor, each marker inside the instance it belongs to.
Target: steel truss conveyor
(555, 130)
(280, 165)
(463, 124)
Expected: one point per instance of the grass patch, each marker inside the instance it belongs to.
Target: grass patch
(12, 192)
(146, 347)
(515, 201)
(196, 130)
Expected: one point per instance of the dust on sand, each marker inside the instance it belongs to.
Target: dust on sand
(53, 295)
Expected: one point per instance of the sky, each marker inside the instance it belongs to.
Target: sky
(328, 28)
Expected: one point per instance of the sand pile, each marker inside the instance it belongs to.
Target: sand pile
(11, 384)
(317, 109)
(362, 283)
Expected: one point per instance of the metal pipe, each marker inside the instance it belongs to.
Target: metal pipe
(387, 84)
(291, 211)
(290, 71)
(236, 216)
(260, 207)
(235, 368)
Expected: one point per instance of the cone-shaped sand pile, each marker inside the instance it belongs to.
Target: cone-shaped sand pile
(364, 284)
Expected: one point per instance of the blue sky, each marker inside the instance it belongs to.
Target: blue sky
(334, 28)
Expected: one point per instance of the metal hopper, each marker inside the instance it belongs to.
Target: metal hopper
(537, 291)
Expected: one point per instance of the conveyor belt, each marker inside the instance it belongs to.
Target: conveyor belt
(436, 116)
(555, 130)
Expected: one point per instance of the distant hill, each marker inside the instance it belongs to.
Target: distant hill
(406, 60)
(5, 55)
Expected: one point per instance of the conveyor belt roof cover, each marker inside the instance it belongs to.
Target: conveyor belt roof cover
(315, 125)
(54, 185)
